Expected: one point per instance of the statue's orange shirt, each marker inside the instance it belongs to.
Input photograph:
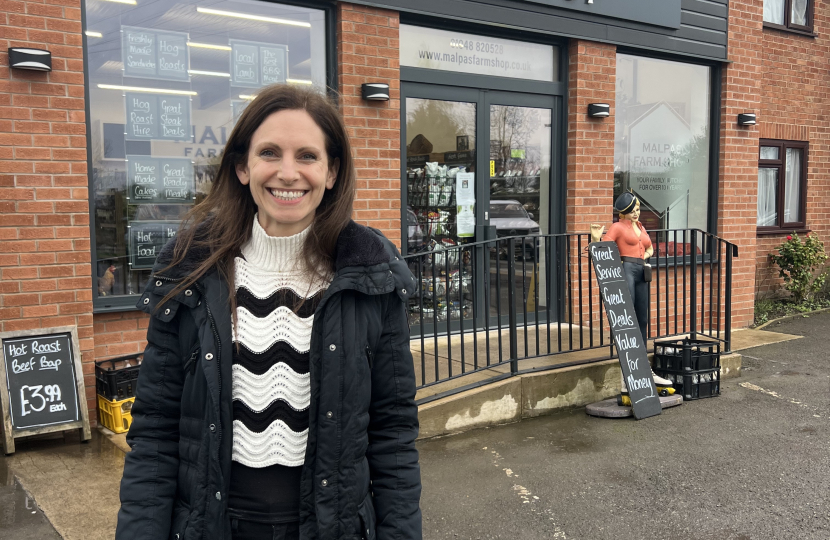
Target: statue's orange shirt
(629, 245)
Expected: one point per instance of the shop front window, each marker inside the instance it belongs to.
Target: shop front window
(662, 140)
(167, 82)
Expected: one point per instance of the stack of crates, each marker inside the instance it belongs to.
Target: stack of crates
(115, 381)
(692, 365)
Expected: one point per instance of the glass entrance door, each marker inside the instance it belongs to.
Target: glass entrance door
(520, 152)
(440, 140)
(478, 166)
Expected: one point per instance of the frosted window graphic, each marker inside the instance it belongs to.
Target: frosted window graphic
(661, 147)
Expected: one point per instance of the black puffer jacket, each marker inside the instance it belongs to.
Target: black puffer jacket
(361, 477)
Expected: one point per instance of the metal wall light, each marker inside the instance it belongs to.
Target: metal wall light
(375, 91)
(28, 58)
(599, 110)
(747, 119)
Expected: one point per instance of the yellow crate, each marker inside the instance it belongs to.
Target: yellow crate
(115, 415)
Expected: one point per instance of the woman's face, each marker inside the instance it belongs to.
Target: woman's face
(287, 171)
(634, 215)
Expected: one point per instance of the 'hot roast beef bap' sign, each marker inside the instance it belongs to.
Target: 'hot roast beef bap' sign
(41, 384)
(254, 64)
(605, 258)
(162, 117)
(146, 240)
(160, 180)
(41, 378)
(155, 55)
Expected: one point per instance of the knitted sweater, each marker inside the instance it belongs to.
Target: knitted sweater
(270, 384)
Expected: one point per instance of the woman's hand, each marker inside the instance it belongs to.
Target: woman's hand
(596, 232)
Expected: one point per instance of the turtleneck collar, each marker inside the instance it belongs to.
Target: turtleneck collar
(274, 253)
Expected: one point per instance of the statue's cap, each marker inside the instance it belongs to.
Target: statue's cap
(625, 203)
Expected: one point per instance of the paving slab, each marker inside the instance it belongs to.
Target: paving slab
(75, 483)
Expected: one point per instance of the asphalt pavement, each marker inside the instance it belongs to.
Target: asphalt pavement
(753, 463)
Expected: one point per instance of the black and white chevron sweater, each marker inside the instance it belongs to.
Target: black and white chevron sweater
(271, 386)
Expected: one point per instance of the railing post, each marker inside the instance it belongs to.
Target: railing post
(728, 307)
(693, 287)
(511, 301)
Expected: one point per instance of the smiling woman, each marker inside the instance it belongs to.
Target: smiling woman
(272, 288)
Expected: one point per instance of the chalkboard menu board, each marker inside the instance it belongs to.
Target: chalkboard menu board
(254, 64)
(146, 240)
(158, 117)
(605, 257)
(155, 55)
(152, 180)
(41, 388)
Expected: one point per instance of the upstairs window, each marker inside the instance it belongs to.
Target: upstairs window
(789, 14)
(782, 185)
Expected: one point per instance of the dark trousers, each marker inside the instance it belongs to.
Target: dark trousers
(251, 530)
(639, 295)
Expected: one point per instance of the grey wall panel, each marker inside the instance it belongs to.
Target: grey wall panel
(703, 30)
(714, 9)
(703, 21)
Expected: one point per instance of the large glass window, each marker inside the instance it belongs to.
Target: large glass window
(167, 81)
(662, 136)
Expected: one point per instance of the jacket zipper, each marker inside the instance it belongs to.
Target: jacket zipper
(218, 353)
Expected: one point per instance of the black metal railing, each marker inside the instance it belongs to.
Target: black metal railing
(511, 305)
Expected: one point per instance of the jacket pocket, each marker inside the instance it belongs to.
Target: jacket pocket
(366, 512)
(370, 357)
(190, 364)
(180, 519)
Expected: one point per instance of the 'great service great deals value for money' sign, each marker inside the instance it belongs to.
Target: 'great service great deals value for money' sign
(41, 383)
(616, 298)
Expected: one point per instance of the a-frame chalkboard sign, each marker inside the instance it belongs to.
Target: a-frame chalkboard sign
(41, 384)
(616, 298)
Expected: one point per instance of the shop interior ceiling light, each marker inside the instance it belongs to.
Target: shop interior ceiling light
(250, 17)
(131, 2)
(599, 110)
(747, 119)
(298, 81)
(209, 73)
(208, 46)
(31, 59)
(375, 91)
(150, 90)
(91, 33)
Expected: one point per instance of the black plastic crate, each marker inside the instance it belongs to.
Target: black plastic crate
(693, 384)
(686, 354)
(115, 378)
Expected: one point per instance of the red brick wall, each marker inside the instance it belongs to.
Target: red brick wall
(592, 71)
(794, 104)
(367, 51)
(44, 215)
(738, 189)
(119, 334)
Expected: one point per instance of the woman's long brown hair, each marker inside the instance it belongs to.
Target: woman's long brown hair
(222, 223)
